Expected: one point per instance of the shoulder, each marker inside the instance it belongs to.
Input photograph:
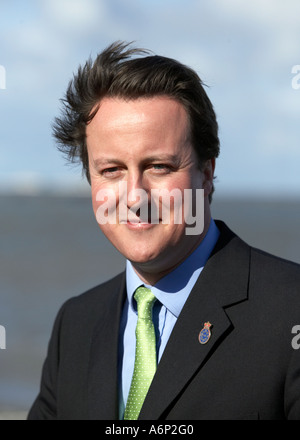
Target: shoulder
(263, 263)
(271, 266)
(268, 276)
(275, 283)
(92, 303)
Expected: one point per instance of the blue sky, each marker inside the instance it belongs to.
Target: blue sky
(244, 51)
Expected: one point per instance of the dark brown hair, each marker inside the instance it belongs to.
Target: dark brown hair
(131, 73)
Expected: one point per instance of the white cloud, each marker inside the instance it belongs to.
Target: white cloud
(75, 15)
(272, 12)
(267, 32)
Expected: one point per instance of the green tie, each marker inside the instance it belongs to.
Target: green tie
(145, 354)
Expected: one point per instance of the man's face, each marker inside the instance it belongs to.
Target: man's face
(144, 144)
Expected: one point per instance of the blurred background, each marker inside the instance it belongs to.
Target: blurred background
(248, 55)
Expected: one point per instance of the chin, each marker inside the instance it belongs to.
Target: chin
(141, 258)
(141, 254)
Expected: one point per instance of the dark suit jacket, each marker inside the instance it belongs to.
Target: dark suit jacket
(247, 370)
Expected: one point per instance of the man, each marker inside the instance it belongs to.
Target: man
(212, 339)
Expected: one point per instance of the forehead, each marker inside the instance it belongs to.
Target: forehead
(159, 113)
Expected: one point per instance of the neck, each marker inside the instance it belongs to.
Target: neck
(150, 274)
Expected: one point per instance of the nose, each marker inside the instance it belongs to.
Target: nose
(138, 198)
(137, 190)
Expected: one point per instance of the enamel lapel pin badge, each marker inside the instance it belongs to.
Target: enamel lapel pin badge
(205, 334)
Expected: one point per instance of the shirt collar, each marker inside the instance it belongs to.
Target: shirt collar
(173, 289)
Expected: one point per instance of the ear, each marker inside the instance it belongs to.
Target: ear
(208, 176)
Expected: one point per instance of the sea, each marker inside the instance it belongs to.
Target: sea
(51, 249)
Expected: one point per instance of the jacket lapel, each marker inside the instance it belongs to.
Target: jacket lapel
(222, 283)
(103, 364)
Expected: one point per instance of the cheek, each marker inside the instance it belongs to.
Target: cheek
(94, 202)
(185, 182)
(104, 206)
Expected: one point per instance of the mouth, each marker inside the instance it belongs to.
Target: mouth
(136, 222)
(139, 224)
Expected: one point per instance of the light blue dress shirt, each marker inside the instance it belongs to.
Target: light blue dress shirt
(172, 292)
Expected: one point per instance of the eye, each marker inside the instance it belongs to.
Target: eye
(110, 172)
(161, 168)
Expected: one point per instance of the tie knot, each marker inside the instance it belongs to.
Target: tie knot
(145, 300)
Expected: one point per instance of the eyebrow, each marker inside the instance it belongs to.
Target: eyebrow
(104, 162)
(157, 158)
(162, 157)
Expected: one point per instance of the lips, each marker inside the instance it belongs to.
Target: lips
(135, 220)
(139, 226)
